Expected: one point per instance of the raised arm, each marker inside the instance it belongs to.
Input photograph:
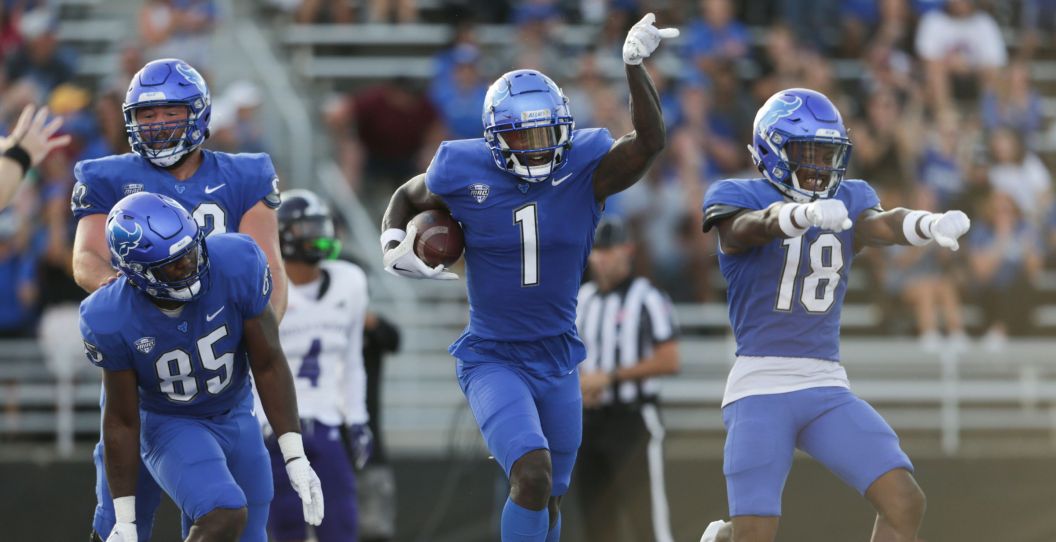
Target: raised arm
(261, 223)
(121, 446)
(26, 147)
(632, 154)
(271, 374)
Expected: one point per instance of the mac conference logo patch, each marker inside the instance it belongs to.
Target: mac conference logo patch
(479, 192)
(145, 344)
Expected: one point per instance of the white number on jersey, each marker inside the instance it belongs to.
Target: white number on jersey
(819, 287)
(174, 367)
(527, 218)
(210, 217)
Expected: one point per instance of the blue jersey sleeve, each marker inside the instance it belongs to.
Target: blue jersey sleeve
(259, 183)
(595, 143)
(103, 346)
(244, 270)
(262, 181)
(437, 174)
(91, 193)
(731, 192)
(861, 197)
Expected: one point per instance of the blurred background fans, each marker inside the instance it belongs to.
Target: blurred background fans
(949, 102)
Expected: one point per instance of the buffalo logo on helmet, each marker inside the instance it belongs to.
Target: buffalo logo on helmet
(123, 241)
(779, 110)
(193, 76)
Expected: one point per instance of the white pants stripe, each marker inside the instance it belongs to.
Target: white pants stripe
(657, 488)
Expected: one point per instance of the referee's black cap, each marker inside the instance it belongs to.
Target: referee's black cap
(611, 231)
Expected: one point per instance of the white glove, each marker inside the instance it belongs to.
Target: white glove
(123, 532)
(643, 38)
(303, 479)
(827, 214)
(403, 262)
(711, 533)
(948, 227)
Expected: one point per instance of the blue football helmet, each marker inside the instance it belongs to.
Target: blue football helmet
(527, 125)
(158, 246)
(167, 82)
(800, 144)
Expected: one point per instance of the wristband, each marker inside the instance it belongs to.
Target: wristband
(784, 219)
(18, 153)
(292, 446)
(392, 234)
(909, 227)
(125, 509)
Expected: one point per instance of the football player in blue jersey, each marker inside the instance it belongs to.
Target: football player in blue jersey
(786, 244)
(177, 337)
(528, 196)
(167, 111)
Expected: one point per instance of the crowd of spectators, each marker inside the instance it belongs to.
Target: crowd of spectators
(943, 114)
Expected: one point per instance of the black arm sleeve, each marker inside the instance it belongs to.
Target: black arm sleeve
(717, 213)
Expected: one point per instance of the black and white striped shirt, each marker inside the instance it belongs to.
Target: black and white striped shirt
(620, 328)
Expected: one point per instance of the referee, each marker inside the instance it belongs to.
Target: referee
(630, 334)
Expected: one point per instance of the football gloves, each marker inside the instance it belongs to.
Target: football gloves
(643, 38)
(403, 262)
(827, 214)
(948, 227)
(303, 479)
(123, 532)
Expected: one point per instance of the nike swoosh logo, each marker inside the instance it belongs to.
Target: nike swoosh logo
(398, 268)
(209, 318)
(211, 189)
(556, 182)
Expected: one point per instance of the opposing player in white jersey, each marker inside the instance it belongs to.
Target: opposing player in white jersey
(322, 336)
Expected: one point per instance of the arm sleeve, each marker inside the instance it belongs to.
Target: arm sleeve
(265, 185)
(865, 197)
(436, 173)
(103, 350)
(253, 284)
(600, 143)
(91, 195)
(725, 199)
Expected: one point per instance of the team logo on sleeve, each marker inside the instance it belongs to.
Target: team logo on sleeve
(267, 281)
(77, 200)
(479, 192)
(180, 188)
(93, 353)
(273, 198)
(145, 344)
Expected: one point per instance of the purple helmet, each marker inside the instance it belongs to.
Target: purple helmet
(800, 144)
(167, 82)
(158, 246)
